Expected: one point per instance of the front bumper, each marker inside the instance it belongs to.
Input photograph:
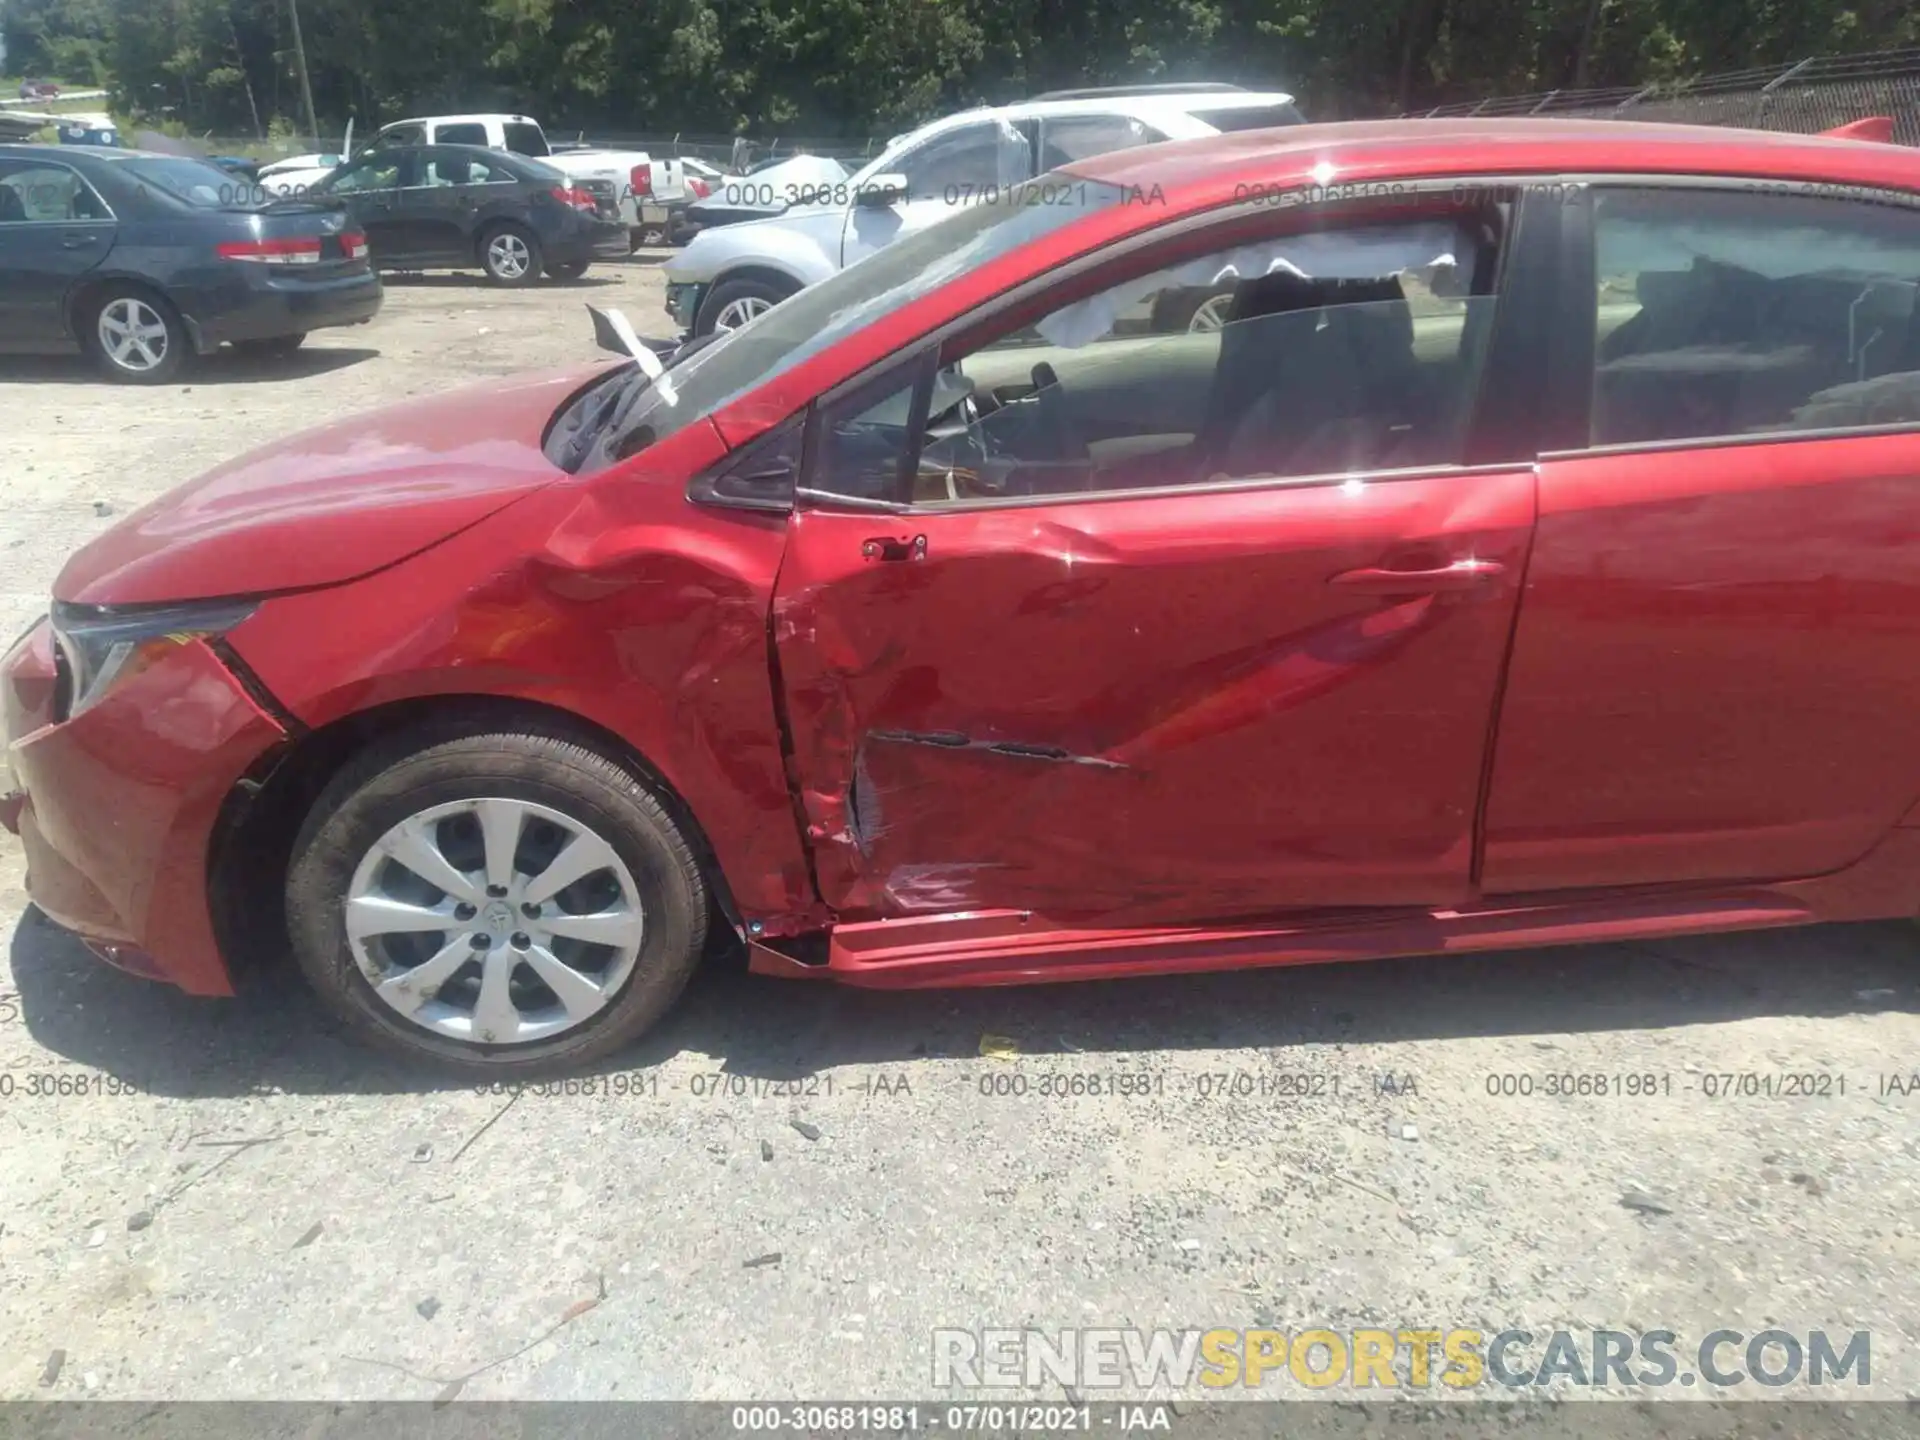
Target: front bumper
(270, 306)
(117, 806)
(683, 301)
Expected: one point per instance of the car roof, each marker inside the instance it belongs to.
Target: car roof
(107, 154)
(1331, 154)
(475, 119)
(1146, 107)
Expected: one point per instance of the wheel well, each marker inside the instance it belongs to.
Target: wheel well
(88, 290)
(765, 274)
(253, 838)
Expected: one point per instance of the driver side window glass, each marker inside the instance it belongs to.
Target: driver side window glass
(1338, 351)
(48, 194)
(958, 167)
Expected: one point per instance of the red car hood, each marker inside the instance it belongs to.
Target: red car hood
(331, 504)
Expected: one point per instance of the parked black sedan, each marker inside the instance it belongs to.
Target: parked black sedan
(458, 207)
(145, 261)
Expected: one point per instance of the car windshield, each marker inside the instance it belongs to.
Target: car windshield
(824, 314)
(199, 184)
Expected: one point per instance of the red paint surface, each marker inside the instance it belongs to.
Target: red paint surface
(122, 802)
(1714, 676)
(1241, 733)
(332, 503)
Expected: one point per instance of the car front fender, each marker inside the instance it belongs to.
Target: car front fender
(790, 246)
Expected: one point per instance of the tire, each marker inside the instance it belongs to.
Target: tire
(649, 236)
(537, 773)
(731, 298)
(1175, 311)
(277, 348)
(109, 324)
(573, 270)
(511, 255)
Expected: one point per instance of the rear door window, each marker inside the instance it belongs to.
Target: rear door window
(1080, 137)
(1725, 312)
(376, 172)
(525, 139)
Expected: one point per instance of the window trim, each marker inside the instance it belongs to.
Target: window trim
(703, 489)
(935, 342)
(1907, 200)
(112, 217)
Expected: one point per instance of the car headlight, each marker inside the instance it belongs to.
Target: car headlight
(103, 646)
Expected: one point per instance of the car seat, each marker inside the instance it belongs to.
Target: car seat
(1332, 387)
(11, 205)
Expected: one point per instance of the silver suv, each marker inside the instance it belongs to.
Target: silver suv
(732, 273)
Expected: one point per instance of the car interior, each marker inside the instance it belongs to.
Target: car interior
(47, 195)
(1319, 368)
(1719, 350)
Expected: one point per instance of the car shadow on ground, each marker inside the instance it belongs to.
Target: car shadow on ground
(223, 367)
(273, 1037)
(474, 280)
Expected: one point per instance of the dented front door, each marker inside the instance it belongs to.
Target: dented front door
(1152, 710)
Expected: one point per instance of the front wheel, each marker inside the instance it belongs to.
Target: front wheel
(501, 903)
(732, 303)
(510, 256)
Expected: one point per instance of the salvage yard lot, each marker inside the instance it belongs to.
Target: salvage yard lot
(785, 1189)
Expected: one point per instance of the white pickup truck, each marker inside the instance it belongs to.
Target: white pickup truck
(642, 191)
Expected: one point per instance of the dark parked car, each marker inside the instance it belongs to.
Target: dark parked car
(458, 207)
(146, 260)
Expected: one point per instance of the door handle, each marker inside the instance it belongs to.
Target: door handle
(1459, 575)
(886, 547)
(78, 242)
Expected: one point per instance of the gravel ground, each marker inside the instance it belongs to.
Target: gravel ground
(232, 1201)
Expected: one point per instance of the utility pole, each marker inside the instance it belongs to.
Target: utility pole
(306, 85)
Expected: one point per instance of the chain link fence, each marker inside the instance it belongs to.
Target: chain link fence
(1808, 96)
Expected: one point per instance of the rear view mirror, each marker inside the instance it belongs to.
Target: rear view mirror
(881, 191)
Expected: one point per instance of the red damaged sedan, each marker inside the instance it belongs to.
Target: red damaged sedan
(1531, 555)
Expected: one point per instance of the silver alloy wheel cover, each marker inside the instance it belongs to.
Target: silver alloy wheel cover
(1211, 315)
(736, 313)
(493, 1018)
(133, 334)
(508, 256)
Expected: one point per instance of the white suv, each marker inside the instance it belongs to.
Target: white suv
(732, 273)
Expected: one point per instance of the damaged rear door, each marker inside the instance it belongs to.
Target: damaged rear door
(1237, 655)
